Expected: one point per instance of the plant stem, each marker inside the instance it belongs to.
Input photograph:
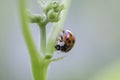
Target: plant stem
(38, 63)
(43, 38)
(42, 69)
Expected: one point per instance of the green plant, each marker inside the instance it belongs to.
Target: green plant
(54, 12)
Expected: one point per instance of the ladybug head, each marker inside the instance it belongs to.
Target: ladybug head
(57, 47)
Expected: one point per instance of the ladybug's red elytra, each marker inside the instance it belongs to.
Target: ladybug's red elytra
(65, 42)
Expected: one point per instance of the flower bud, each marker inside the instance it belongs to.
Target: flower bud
(52, 11)
(52, 16)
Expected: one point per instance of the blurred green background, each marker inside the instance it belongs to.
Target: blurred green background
(95, 56)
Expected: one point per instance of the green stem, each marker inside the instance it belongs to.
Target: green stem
(43, 39)
(33, 52)
(38, 63)
(42, 69)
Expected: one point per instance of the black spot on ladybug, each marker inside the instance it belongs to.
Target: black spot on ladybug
(69, 41)
(73, 41)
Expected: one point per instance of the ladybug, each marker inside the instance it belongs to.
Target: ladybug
(65, 41)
